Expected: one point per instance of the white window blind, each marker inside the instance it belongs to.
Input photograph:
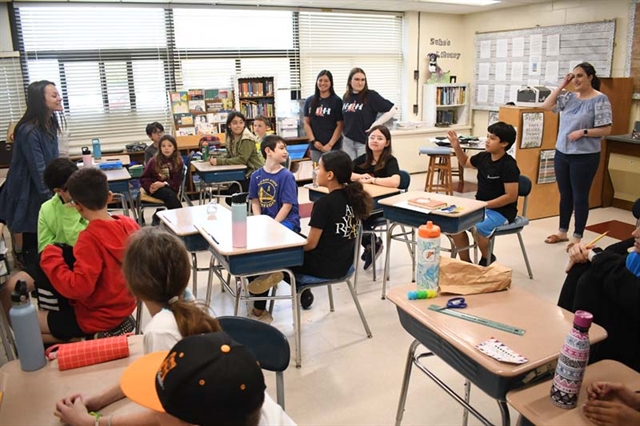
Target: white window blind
(12, 100)
(339, 42)
(110, 64)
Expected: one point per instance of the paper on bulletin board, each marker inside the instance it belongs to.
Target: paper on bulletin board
(493, 117)
(485, 49)
(532, 125)
(546, 171)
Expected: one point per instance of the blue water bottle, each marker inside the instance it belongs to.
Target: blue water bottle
(97, 152)
(24, 320)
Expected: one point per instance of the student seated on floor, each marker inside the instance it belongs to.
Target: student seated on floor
(498, 177)
(273, 192)
(90, 277)
(377, 167)
(607, 284)
(58, 222)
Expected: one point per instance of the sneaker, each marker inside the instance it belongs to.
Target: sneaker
(365, 253)
(369, 260)
(155, 221)
(265, 282)
(483, 261)
(306, 299)
(265, 317)
(126, 326)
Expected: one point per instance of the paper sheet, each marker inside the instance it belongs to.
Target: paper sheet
(516, 71)
(553, 45)
(498, 94)
(501, 48)
(483, 93)
(483, 72)
(517, 47)
(501, 352)
(551, 72)
(501, 71)
(485, 49)
(535, 45)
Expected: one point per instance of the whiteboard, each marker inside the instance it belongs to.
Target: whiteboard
(506, 61)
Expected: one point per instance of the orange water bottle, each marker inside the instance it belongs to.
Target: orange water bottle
(428, 256)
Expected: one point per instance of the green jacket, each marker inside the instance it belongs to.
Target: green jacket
(243, 151)
(58, 223)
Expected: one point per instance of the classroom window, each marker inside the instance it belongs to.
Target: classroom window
(12, 100)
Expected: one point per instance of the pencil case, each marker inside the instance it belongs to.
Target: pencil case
(88, 352)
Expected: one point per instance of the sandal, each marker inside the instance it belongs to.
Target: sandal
(553, 239)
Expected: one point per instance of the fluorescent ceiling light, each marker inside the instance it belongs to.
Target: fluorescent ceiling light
(463, 2)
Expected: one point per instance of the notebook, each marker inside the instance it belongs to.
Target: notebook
(427, 203)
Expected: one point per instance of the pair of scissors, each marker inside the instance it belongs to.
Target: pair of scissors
(455, 303)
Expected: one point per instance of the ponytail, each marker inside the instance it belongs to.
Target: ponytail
(359, 199)
(340, 164)
(192, 318)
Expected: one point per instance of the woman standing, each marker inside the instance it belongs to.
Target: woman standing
(323, 117)
(36, 143)
(360, 108)
(585, 119)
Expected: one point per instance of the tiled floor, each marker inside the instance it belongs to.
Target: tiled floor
(348, 379)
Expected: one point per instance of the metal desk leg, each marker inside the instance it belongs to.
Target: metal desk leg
(405, 382)
(504, 410)
(467, 395)
(194, 273)
(387, 258)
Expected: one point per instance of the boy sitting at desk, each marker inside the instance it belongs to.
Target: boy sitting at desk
(498, 177)
(100, 303)
(273, 192)
(154, 131)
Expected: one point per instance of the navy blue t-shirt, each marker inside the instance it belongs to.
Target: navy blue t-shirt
(324, 119)
(359, 116)
(492, 175)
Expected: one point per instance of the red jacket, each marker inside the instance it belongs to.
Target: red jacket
(95, 287)
(150, 175)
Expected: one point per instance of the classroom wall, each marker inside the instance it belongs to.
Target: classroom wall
(5, 30)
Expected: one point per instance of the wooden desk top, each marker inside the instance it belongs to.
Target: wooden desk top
(30, 398)
(182, 221)
(118, 174)
(546, 325)
(533, 402)
(205, 166)
(263, 234)
(469, 205)
(375, 191)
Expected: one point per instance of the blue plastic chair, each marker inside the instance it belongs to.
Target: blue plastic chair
(267, 343)
(524, 188)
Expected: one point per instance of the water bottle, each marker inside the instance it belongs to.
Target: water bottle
(205, 151)
(315, 174)
(97, 151)
(428, 253)
(86, 157)
(24, 320)
(212, 208)
(239, 219)
(572, 362)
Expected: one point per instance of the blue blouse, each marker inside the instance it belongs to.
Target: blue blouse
(580, 114)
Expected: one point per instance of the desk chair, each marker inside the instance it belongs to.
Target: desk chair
(118, 197)
(145, 200)
(267, 343)
(524, 188)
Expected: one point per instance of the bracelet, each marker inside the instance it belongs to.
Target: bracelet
(97, 416)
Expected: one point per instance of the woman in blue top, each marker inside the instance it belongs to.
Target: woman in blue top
(585, 119)
(36, 143)
(323, 117)
(360, 109)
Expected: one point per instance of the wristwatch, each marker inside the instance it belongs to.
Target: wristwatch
(586, 132)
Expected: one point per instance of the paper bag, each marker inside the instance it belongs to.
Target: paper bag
(458, 277)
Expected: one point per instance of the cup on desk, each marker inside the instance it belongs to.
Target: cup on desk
(86, 157)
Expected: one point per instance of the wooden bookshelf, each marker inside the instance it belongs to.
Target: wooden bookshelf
(256, 96)
(445, 104)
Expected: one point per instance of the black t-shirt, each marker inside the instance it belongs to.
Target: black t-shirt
(390, 168)
(492, 175)
(325, 118)
(359, 116)
(333, 255)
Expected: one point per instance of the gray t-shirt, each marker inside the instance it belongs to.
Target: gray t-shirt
(149, 153)
(577, 114)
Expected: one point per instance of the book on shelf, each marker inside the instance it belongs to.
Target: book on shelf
(217, 100)
(206, 128)
(186, 131)
(427, 203)
(179, 102)
(183, 119)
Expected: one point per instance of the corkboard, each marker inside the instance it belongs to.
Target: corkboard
(635, 52)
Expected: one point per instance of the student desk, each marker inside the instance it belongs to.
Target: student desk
(398, 212)
(219, 174)
(533, 402)
(181, 223)
(271, 247)
(453, 340)
(377, 192)
(30, 397)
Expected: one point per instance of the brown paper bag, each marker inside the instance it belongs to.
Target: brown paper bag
(458, 277)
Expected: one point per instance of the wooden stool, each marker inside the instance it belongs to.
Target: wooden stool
(440, 163)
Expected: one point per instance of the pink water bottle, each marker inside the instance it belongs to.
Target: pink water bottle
(86, 157)
(239, 219)
(572, 362)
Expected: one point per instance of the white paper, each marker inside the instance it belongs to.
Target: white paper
(501, 352)
(535, 63)
(501, 48)
(501, 71)
(535, 45)
(532, 82)
(553, 45)
(517, 47)
(483, 72)
(483, 93)
(485, 49)
(551, 72)
(498, 93)
(513, 93)
(516, 71)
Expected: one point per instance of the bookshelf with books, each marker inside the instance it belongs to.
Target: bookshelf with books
(256, 96)
(445, 105)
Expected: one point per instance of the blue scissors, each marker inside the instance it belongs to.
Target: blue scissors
(455, 303)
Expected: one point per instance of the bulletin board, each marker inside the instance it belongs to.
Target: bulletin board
(505, 61)
(633, 56)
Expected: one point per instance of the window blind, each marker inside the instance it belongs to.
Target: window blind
(339, 42)
(12, 99)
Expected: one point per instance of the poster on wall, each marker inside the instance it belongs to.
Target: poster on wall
(493, 117)
(532, 126)
(546, 172)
